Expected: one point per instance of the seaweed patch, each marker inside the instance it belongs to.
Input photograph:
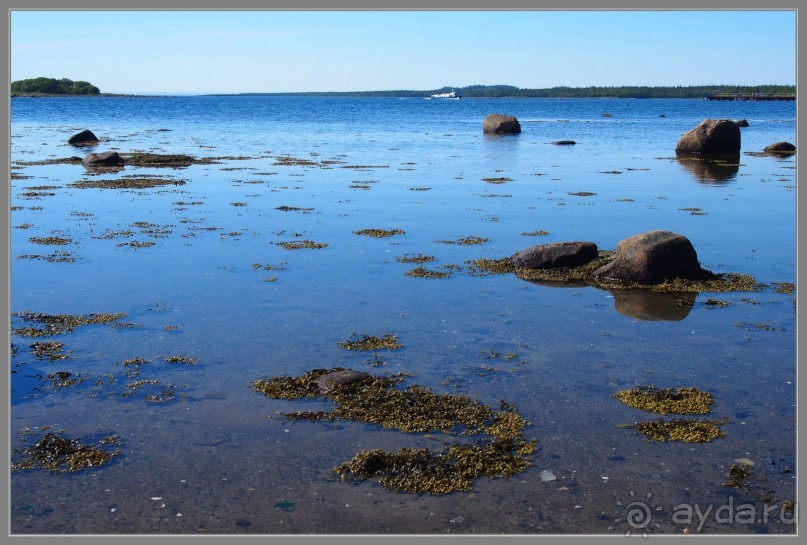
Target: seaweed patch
(372, 399)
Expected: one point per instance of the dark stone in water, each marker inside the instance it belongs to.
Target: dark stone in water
(781, 148)
(554, 255)
(564, 142)
(83, 138)
(742, 123)
(616, 458)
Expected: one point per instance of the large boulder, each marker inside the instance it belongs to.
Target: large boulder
(83, 138)
(711, 137)
(652, 258)
(554, 255)
(501, 124)
(783, 148)
(103, 159)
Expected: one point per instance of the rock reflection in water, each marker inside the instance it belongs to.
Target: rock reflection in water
(653, 306)
(642, 304)
(720, 169)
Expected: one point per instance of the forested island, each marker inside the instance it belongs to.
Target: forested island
(67, 87)
(510, 91)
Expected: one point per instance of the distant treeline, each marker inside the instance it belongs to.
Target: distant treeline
(509, 91)
(51, 86)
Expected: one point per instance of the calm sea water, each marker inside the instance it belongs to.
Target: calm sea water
(218, 455)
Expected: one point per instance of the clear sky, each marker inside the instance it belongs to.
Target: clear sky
(287, 51)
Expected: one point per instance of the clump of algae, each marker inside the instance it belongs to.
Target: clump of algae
(680, 429)
(376, 400)
(370, 342)
(415, 258)
(58, 454)
(422, 272)
(379, 233)
(667, 400)
(302, 244)
(54, 324)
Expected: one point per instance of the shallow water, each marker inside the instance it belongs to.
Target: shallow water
(221, 457)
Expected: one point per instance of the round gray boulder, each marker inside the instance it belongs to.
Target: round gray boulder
(341, 377)
(501, 124)
(652, 258)
(711, 137)
(554, 255)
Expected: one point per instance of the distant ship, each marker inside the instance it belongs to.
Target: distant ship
(451, 96)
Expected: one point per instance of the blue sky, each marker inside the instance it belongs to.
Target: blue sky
(280, 51)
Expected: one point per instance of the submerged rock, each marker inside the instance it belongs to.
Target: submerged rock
(342, 377)
(103, 159)
(652, 258)
(711, 137)
(781, 148)
(554, 255)
(83, 138)
(501, 124)
(564, 142)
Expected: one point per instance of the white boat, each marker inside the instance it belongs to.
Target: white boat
(452, 95)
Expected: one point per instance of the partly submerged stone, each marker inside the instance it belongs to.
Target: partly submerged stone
(711, 137)
(501, 124)
(83, 138)
(341, 377)
(554, 255)
(652, 258)
(783, 148)
(742, 123)
(564, 142)
(103, 159)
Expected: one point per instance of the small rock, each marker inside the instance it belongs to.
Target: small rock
(742, 123)
(546, 476)
(564, 142)
(457, 520)
(744, 461)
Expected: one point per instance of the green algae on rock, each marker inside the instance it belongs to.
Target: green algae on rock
(680, 429)
(667, 400)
